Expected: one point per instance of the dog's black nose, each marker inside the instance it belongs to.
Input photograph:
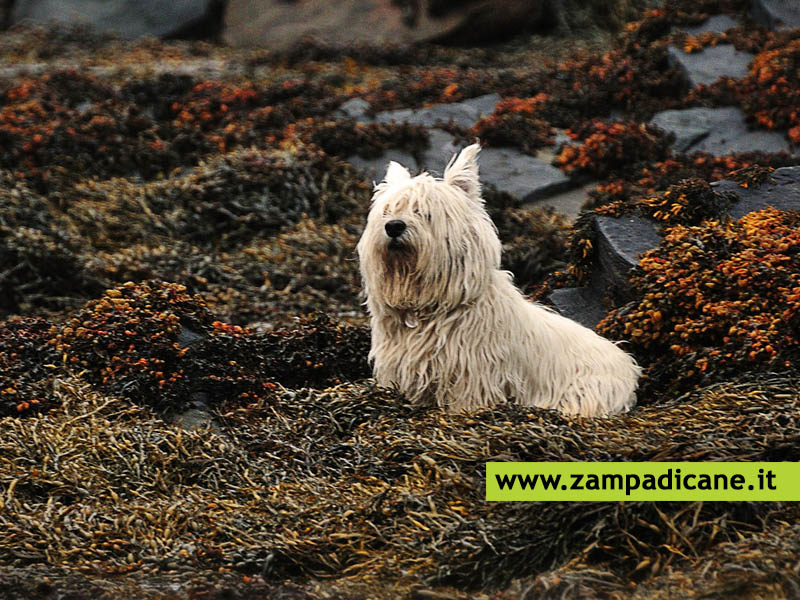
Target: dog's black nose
(395, 228)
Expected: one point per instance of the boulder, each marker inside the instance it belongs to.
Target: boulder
(128, 19)
(278, 24)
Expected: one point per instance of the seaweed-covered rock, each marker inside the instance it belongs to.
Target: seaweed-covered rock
(128, 341)
(158, 345)
(714, 299)
(345, 138)
(688, 202)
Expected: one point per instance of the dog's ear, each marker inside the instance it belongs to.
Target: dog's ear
(396, 172)
(462, 171)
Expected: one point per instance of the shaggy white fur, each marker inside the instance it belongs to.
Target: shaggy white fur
(448, 326)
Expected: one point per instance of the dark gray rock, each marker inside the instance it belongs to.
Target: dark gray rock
(569, 202)
(355, 108)
(441, 150)
(129, 19)
(712, 63)
(620, 243)
(194, 419)
(689, 126)
(782, 191)
(579, 304)
(777, 14)
(718, 131)
(524, 177)
(717, 24)
(482, 105)
(375, 168)
(464, 113)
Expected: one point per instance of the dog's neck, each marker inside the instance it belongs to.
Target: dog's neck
(412, 318)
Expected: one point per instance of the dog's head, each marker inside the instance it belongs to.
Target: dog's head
(429, 242)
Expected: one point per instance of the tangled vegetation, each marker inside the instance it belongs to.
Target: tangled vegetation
(513, 124)
(351, 482)
(613, 148)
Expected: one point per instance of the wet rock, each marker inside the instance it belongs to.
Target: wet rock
(524, 177)
(713, 62)
(464, 113)
(620, 243)
(781, 191)
(492, 20)
(718, 131)
(126, 18)
(581, 304)
(375, 168)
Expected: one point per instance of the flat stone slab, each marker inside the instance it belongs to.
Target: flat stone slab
(716, 24)
(465, 113)
(718, 131)
(579, 304)
(569, 202)
(441, 150)
(777, 14)
(524, 177)
(689, 126)
(712, 63)
(781, 191)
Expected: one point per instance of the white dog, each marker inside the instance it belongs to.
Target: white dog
(448, 326)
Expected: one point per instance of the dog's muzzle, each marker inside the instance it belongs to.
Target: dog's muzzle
(394, 229)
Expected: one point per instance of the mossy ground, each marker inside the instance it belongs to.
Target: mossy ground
(177, 233)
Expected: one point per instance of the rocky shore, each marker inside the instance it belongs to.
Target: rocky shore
(185, 403)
